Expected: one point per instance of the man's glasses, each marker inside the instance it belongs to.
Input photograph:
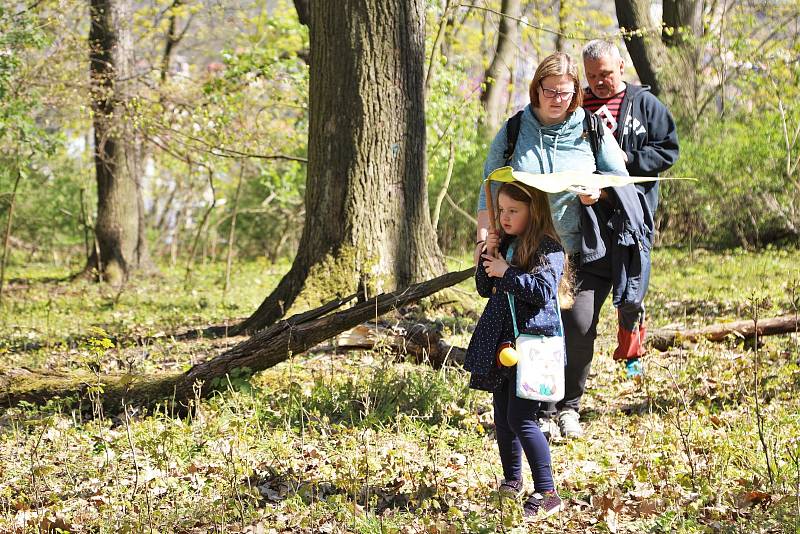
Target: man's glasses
(552, 93)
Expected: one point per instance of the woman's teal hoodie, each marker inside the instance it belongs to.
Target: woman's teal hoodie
(546, 149)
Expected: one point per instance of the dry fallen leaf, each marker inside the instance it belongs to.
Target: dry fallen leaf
(750, 498)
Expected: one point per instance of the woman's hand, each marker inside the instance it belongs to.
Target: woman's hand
(495, 267)
(591, 197)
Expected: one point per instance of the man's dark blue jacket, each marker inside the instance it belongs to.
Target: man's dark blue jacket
(616, 239)
(649, 137)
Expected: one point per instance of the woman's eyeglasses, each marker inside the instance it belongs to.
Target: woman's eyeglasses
(552, 93)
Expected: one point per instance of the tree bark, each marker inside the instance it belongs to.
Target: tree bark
(562, 25)
(7, 236)
(686, 14)
(173, 37)
(119, 226)
(496, 74)
(647, 51)
(666, 60)
(303, 11)
(367, 218)
(665, 339)
(265, 349)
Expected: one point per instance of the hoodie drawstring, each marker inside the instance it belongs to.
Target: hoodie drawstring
(555, 150)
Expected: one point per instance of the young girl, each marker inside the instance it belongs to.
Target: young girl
(533, 276)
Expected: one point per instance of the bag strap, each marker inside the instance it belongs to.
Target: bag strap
(509, 257)
(593, 129)
(512, 133)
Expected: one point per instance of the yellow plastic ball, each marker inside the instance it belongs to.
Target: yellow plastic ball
(509, 356)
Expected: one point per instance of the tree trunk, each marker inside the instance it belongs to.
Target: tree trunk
(367, 219)
(785, 324)
(119, 226)
(562, 25)
(303, 11)
(666, 60)
(265, 349)
(9, 221)
(647, 51)
(686, 14)
(496, 74)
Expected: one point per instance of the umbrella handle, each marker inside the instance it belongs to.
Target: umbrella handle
(490, 209)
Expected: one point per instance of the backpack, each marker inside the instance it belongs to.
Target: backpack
(592, 129)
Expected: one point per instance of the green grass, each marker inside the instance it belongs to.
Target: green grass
(358, 442)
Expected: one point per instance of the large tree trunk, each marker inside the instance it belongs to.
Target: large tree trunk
(495, 78)
(647, 51)
(303, 11)
(666, 60)
(265, 349)
(367, 220)
(119, 227)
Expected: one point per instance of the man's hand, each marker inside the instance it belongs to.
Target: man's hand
(495, 267)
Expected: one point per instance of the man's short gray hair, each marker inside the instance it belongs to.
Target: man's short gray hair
(599, 48)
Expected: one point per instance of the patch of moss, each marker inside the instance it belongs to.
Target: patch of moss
(339, 276)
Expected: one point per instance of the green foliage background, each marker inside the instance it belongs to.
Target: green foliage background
(233, 101)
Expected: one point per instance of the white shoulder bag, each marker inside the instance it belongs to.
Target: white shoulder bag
(540, 368)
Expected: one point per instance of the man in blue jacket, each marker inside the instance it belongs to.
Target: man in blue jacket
(646, 132)
(641, 124)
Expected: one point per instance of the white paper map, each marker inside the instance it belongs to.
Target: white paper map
(575, 181)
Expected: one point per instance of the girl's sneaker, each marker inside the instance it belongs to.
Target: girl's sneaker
(512, 488)
(545, 504)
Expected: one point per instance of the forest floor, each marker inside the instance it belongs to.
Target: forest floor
(332, 441)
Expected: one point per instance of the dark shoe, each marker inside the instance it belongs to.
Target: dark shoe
(551, 504)
(512, 488)
(530, 508)
(543, 505)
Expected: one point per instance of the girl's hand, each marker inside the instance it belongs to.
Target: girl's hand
(492, 241)
(495, 267)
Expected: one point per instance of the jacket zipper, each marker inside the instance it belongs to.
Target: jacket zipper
(623, 120)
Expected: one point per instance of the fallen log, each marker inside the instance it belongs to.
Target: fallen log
(421, 341)
(665, 339)
(263, 350)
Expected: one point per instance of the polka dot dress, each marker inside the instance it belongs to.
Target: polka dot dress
(535, 302)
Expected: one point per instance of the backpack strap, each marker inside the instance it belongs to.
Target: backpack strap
(593, 130)
(512, 132)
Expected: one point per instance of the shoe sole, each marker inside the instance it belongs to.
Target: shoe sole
(542, 514)
(554, 511)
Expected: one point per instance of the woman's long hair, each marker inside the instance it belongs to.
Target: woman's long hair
(540, 224)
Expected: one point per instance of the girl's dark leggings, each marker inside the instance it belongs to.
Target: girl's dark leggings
(517, 430)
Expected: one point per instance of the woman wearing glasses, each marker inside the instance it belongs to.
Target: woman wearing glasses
(551, 138)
